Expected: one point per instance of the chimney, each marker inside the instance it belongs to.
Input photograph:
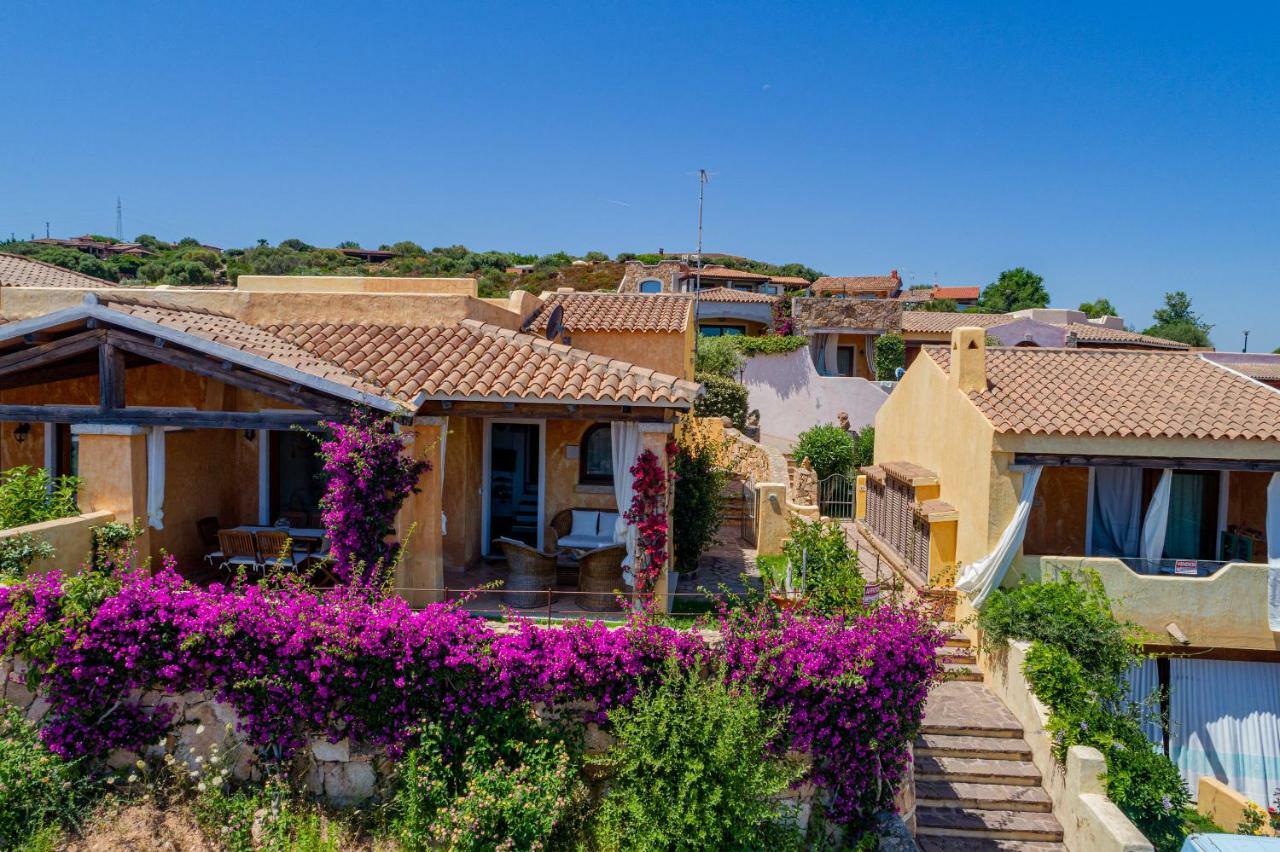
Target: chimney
(969, 359)
(893, 273)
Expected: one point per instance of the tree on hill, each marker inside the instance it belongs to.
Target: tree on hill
(1099, 308)
(1015, 290)
(1176, 321)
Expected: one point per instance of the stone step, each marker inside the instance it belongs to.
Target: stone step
(1003, 825)
(985, 844)
(965, 708)
(959, 655)
(976, 770)
(987, 797)
(961, 671)
(989, 748)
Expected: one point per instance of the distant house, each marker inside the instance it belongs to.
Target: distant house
(724, 311)
(859, 286)
(681, 276)
(368, 255)
(964, 297)
(98, 248)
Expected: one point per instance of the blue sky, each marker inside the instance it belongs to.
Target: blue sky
(1116, 151)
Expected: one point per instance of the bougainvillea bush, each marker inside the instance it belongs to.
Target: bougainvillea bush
(296, 662)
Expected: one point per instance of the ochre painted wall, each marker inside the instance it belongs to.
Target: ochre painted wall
(1056, 525)
(563, 490)
(464, 469)
(666, 352)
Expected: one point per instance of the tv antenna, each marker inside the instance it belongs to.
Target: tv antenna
(703, 177)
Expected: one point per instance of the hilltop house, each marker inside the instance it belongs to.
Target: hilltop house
(964, 297)
(1156, 469)
(184, 404)
(859, 286)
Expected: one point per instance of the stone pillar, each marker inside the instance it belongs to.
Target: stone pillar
(654, 437)
(772, 520)
(113, 473)
(421, 567)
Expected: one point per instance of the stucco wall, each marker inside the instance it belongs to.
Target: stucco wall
(1225, 610)
(791, 396)
(563, 490)
(464, 468)
(667, 352)
(70, 537)
(927, 422)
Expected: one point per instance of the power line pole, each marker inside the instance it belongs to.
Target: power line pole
(1246, 341)
(697, 275)
(119, 220)
(46, 230)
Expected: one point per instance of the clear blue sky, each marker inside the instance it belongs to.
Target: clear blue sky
(1116, 149)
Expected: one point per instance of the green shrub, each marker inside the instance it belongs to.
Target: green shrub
(503, 782)
(692, 769)
(890, 355)
(17, 552)
(284, 822)
(1070, 612)
(822, 559)
(864, 447)
(723, 398)
(718, 356)
(769, 344)
(828, 448)
(699, 494)
(38, 790)
(30, 496)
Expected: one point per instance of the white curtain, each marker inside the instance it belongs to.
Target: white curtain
(626, 447)
(155, 477)
(1273, 552)
(1143, 680)
(1224, 721)
(444, 442)
(983, 577)
(1117, 511)
(818, 348)
(1156, 524)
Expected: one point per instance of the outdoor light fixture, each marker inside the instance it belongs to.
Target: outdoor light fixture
(20, 434)
(249, 434)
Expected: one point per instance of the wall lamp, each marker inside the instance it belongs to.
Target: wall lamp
(20, 434)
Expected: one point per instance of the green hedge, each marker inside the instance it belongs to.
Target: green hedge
(890, 355)
(724, 398)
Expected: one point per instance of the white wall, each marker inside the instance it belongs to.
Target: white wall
(791, 396)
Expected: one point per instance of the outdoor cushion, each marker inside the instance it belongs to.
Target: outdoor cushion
(608, 526)
(584, 524)
(579, 542)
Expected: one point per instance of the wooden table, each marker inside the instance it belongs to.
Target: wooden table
(295, 533)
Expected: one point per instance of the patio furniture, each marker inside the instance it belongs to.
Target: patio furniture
(294, 519)
(238, 549)
(207, 529)
(533, 574)
(583, 529)
(271, 549)
(600, 572)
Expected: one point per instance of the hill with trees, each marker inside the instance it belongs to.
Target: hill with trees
(188, 262)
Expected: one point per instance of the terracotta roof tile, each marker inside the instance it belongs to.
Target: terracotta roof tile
(725, 272)
(909, 472)
(726, 294)
(474, 359)
(790, 280)
(666, 312)
(1089, 332)
(944, 322)
(855, 283)
(1264, 372)
(1109, 392)
(19, 271)
(957, 292)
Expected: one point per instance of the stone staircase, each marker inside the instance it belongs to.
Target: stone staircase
(976, 787)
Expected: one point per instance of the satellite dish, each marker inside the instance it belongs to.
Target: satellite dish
(555, 322)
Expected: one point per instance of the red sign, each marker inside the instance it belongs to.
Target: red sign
(1186, 566)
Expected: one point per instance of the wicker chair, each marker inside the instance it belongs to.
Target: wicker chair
(600, 573)
(560, 525)
(533, 574)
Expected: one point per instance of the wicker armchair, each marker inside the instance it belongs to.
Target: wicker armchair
(600, 572)
(533, 574)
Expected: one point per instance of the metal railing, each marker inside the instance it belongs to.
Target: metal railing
(470, 598)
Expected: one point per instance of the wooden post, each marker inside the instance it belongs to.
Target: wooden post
(421, 569)
(110, 378)
(654, 437)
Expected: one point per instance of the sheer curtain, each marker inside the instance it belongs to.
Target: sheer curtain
(1156, 523)
(155, 477)
(1143, 680)
(1273, 552)
(1224, 721)
(626, 444)
(981, 578)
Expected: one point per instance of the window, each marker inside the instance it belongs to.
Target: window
(722, 330)
(651, 285)
(595, 456)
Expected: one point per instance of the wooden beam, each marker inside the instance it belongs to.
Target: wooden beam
(1066, 460)
(222, 371)
(77, 369)
(110, 378)
(149, 416)
(50, 353)
(551, 411)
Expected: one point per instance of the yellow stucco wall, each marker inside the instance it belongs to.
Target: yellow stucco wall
(70, 537)
(667, 352)
(420, 573)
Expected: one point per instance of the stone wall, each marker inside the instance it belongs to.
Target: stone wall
(812, 312)
(666, 271)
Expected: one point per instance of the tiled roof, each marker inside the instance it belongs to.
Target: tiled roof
(474, 359)
(910, 472)
(228, 331)
(957, 292)
(944, 322)
(790, 280)
(1089, 332)
(614, 312)
(19, 271)
(1108, 392)
(855, 283)
(922, 294)
(1268, 372)
(726, 272)
(726, 294)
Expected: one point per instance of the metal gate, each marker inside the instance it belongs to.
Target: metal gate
(836, 496)
(749, 498)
